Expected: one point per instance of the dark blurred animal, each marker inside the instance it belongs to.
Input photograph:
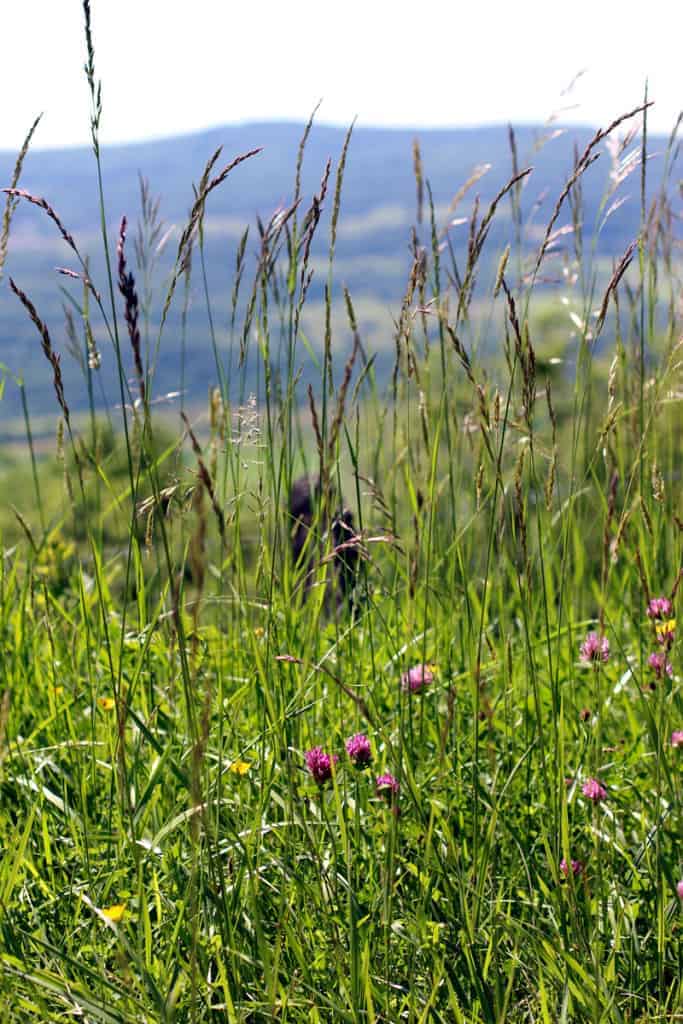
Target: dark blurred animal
(306, 514)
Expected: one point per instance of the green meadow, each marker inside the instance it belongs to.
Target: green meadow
(425, 769)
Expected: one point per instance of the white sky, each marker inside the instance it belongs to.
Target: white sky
(172, 66)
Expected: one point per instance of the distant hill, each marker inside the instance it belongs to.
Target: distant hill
(372, 255)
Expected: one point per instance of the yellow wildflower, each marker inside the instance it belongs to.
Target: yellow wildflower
(666, 629)
(115, 912)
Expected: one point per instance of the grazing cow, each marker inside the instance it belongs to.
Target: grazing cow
(304, 512)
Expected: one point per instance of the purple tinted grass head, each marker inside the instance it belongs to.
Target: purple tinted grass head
(660, 665)
(677, 738)
(387, 785)
(659, 608)
(594, 790)
(575, 866)
(359, 750)
(132, 308)
(417, 677)
(595, 648)
(319, 764)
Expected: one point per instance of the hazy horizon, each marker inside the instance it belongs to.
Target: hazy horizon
(319, 123)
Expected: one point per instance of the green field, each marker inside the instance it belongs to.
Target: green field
(186, 832)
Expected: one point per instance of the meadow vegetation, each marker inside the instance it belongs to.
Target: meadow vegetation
(225, 796)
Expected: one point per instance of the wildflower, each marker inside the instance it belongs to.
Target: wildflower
(659, 608)
(576, 867)
(106, 703)
(666, 633)
(585, 714)
(387, 785)
(679, 888)
(660, 665)
(594, 648)
(115, 912)
(417, 677)
(358, 749)
(594, 790)
(319, 764)
(239, 767)
(677, 738)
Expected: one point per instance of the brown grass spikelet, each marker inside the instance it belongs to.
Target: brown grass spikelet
(315, 422)
(461, 354)
(341, 402)
(338, 185)
(50, 354)
(419, 178)
(549, 485)
(479, 485)
(13, 201)
(76, 276)
(501, 270)
(43, 204)
(309, 226)
(617, 274)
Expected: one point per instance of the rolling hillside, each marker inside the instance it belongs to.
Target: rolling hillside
(373, 248)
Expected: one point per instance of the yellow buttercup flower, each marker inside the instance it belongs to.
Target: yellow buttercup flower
(115, 912)
(106, 703)
(239, 767)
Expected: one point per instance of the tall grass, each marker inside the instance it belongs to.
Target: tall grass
(167, 853)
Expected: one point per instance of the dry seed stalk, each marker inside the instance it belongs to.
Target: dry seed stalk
(205, 477)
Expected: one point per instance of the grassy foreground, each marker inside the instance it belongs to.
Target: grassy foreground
(186, 832)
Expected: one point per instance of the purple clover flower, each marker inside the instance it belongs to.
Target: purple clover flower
(575, 866)
(659, 608)
(660, 665)
(417, 677)
(594, 648)
(677, 738)
(319, 764)
(387, 785)
(594, 790)
(358, 749)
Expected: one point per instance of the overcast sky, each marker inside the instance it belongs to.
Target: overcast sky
(170, 67)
